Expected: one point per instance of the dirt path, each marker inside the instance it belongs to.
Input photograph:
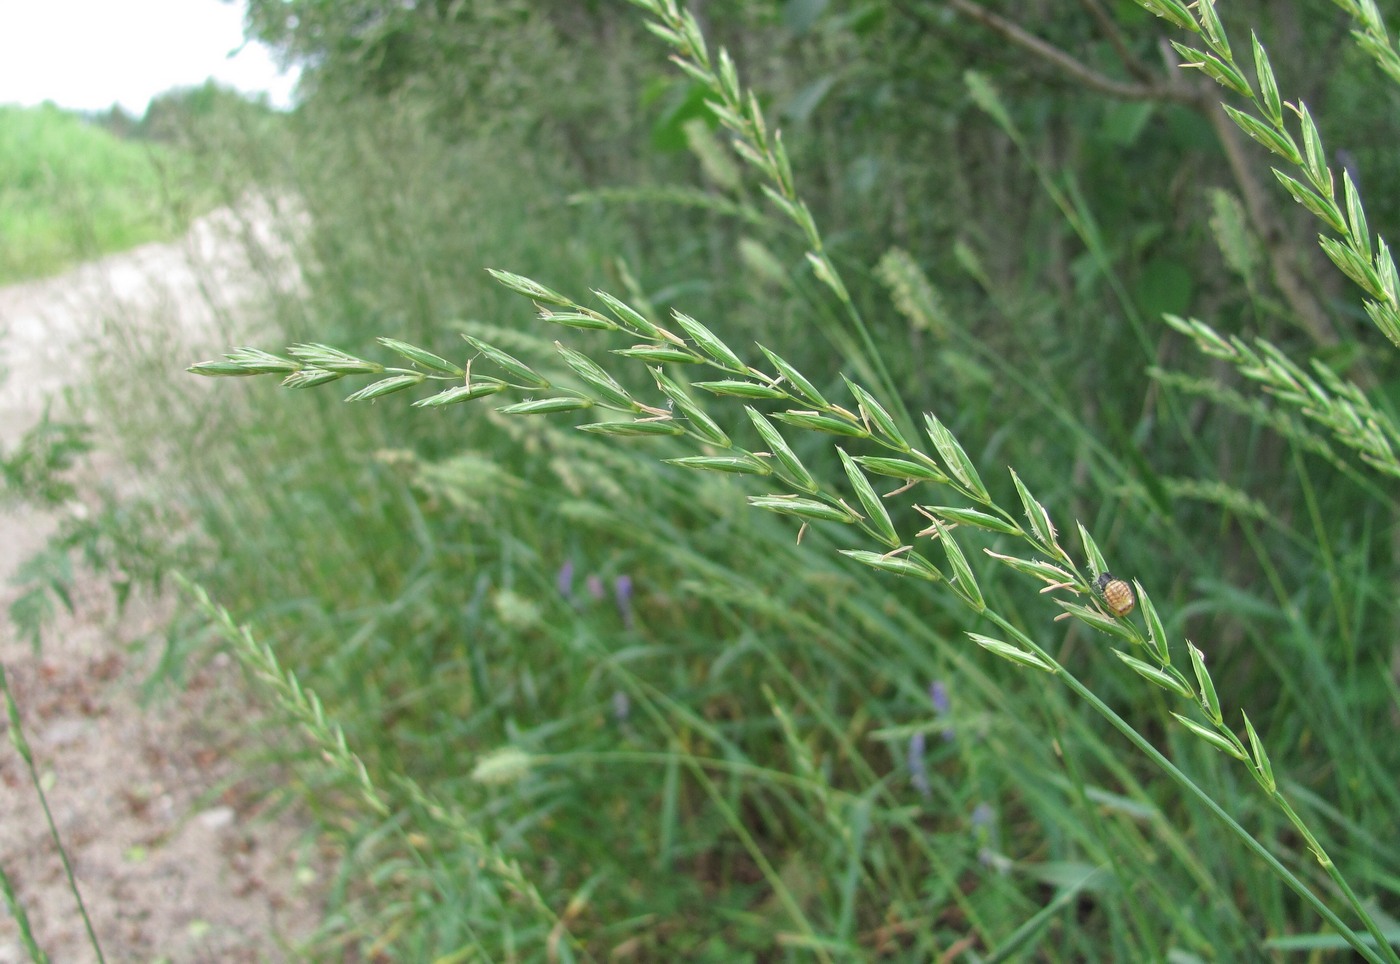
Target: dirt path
(174, 861)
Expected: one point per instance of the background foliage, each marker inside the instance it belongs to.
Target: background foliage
(690, 735)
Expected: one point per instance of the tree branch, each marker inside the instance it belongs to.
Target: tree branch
(1048, 52)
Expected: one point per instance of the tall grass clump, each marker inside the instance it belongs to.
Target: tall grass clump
(848, 742)
(567, 694)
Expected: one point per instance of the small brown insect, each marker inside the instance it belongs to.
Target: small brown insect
(1117, 594)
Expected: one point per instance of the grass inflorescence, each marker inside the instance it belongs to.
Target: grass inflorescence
(756, 422)
(815, 573)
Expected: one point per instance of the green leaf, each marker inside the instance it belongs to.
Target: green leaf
(1309, 199)
(1044, 571)
(1097, 620)
(310, 378)
(802, 508)
(875, 512)
(1210, 700)
(1036, 513)
(729, 464)
(963, 578)
(385, 386)
(479, 388)
(531, 289)
(709, 342)
(974, 518)
(629, 316)
(331, 359)
(601, 382)
(700, 421)
(796, 379)
(1261, 756)
(1359, 232)
(1160, 677)
(778, 448)
(546, 406)
(1314, 156)
(659, 354)
(802, 104)
(1218, 70)
(633, 429)
(1212, 737)
(1164, 286)
(1172, 10)
(900, 468)
(822, 423)
(222, 369)
(585, 320)
(1091, 549)
(1274, 139)
(877, 415)
(956, 460)
(1156, 632)
(908, 564)
(1013, 653)
(509, 363)
(743, 389)
(1352, 265)
(426, 359)
(1268, 87)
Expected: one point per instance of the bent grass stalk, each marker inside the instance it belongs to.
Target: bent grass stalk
(867, 422)
(811, 500)
(1370, 266)
(1329, 400)
(1335, 402)
(304, 706)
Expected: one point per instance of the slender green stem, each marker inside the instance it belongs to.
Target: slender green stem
(1385, 953)
(1372, 927)
(26, 934)
(22, 746)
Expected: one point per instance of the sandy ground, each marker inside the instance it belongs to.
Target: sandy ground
(172, 856)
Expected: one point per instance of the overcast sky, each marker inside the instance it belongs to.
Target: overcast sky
(89, 54)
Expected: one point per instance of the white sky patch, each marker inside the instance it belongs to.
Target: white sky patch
(90, 54)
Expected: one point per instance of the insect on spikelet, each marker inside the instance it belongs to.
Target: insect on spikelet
(1117, 594)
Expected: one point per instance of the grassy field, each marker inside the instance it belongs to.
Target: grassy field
(72, 192)
(582, 696)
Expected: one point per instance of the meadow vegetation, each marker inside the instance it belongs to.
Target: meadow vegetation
(72, 189)
(775, 659)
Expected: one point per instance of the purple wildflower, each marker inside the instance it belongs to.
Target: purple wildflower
(984, 829)
(594, 582)
(982, 816)
(565, 580)
(622, 593)
(918, 773)
(938, 696)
